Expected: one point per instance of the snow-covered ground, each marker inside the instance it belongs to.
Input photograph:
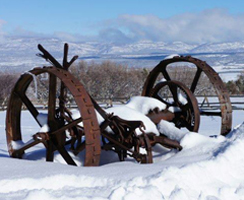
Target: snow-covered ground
(206, 168)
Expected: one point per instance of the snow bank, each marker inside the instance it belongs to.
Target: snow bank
(206, 169)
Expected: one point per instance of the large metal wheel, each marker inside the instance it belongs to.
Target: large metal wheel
(179, 98)
(58, 118)
(202, 69)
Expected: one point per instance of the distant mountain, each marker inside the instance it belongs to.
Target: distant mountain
(18, 54)
(227, 47)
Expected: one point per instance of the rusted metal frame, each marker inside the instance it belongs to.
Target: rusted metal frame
(221, 91)
(120, 127)
(125, 128)
(109, 121)
(50, 151)
(67, 64)
(51, 116)
(133, 154)
(128, 138)
(156, 117)
(65, 58)
(63, 89)
(85, 107)
(91, 130)
(117, 139)
(52, 100)
(62, 100)
(84, 104)
(66, 126)
(91, 127)
(116, 124)
(13, 116)
(47, 56)
(54, 144)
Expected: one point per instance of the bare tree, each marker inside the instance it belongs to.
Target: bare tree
(110, 80)
(7, 82)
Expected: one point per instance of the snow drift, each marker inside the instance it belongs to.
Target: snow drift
(206, 168)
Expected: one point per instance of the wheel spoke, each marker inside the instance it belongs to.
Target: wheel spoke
(27, 145)
(34, 112)
(162, 100)
(165, 74)
(173, 89)
(65, 155)
(52, 99)
(195, 80)
(67, 126)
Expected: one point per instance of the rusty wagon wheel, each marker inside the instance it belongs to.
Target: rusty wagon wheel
(57, 118)
(202, 68)
(179, 98)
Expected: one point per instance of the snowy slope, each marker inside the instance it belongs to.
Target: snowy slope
(18, 54)
(207, 168)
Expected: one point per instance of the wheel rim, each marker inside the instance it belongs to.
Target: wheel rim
(215, 80)
(82, 99)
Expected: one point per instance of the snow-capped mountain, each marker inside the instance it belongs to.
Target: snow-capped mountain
(19, 54)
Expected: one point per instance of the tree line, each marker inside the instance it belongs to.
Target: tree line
(110, 80)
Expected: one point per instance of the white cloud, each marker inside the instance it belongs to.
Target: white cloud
(216, 25)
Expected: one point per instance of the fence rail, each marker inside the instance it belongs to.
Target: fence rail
(204, 102)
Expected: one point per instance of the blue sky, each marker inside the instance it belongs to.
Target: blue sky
(125, 20)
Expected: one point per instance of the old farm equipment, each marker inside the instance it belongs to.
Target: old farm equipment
(152, 88)
(85, 134)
